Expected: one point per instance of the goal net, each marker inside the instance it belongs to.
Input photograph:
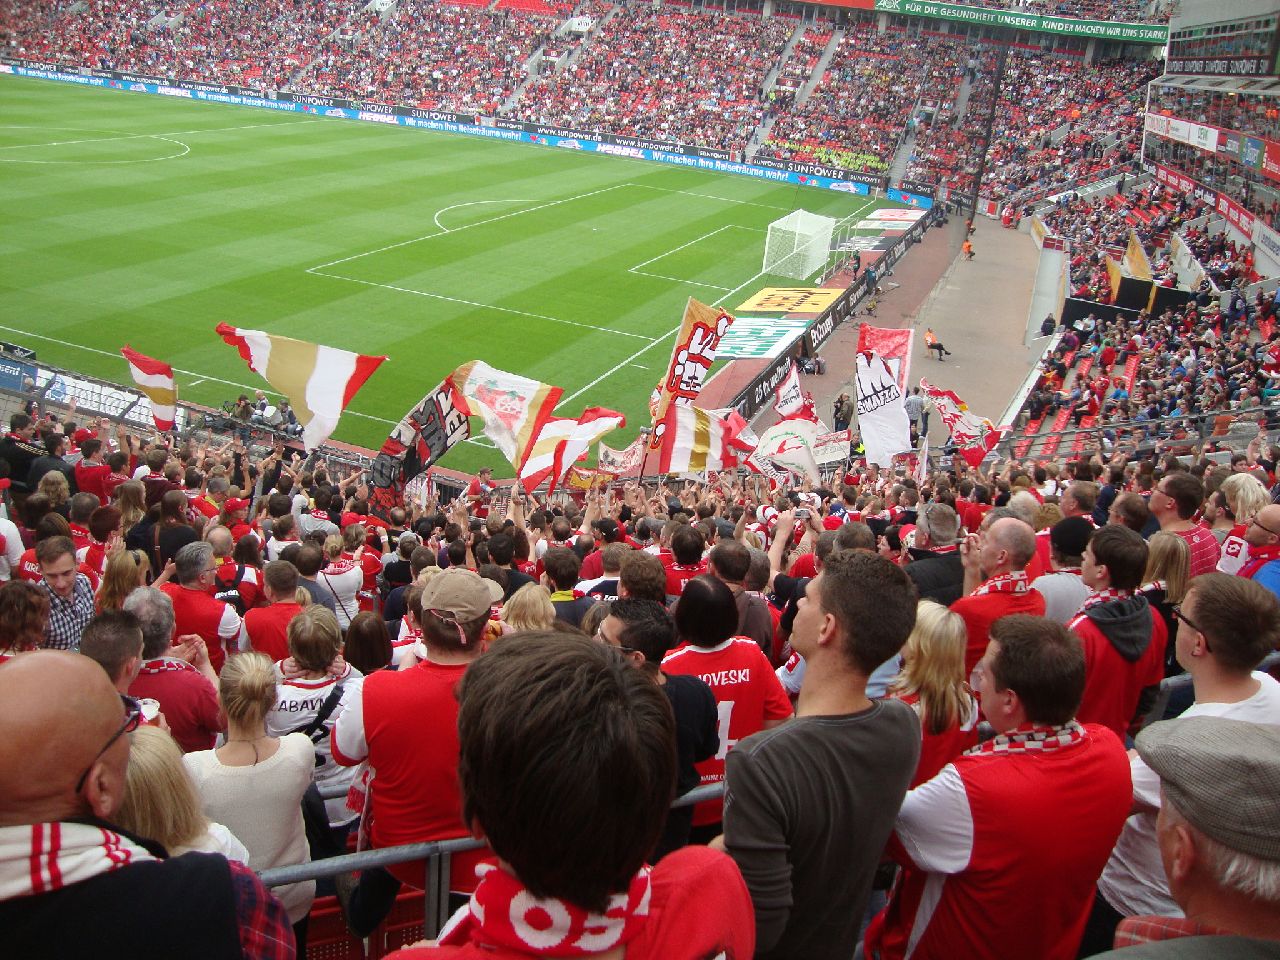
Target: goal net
(798, 245)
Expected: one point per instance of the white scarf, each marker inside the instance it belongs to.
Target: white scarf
(44, 857)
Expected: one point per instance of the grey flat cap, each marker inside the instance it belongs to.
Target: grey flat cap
(1224, 776)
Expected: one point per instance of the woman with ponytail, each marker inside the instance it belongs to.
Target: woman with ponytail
(254, 782)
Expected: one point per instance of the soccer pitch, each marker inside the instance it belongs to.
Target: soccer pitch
(137, 219)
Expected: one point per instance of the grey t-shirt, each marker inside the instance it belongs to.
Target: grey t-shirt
(809, 806)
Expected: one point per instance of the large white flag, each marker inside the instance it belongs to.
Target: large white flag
(882, 419)
(790, 443)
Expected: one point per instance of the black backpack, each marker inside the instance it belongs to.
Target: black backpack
(229, 593)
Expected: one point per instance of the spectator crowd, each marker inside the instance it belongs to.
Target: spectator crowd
(202, 639)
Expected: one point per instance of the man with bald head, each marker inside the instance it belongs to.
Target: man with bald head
(995, 580)
(1262, 533)
(68, 877)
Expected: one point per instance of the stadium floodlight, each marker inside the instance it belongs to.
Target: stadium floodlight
(798, 244)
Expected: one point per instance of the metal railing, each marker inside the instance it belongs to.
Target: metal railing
(437, 854)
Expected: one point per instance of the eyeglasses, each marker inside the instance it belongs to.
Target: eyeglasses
(132, 719)
(1256, 522)
(1177, 613)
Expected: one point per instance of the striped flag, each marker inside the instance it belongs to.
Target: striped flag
(155, 379)
(319, 381)
(514, 408)
(695, 441)
(560, 443)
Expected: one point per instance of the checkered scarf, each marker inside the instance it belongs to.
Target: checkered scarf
(1103, 596)
(1030, 738)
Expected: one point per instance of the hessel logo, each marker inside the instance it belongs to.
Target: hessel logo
(619, 151)
(570, 144)
(844, 187)
(334, 112)
(376, 117)
(174, 92)
(138, 87)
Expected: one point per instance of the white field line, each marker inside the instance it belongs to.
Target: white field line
(468, 226)
(138, 136)
(697, 283)
(169, 156)
(483, 306)
(199, 377)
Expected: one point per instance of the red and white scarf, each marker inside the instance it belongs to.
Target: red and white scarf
(503, 914)
(1030, 738)
(1259, 557)
(44, 857)
(166, 665)
(1103, 596)
(1014, 582)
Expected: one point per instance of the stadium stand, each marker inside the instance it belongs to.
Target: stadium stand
(856, 116)
(665, 74)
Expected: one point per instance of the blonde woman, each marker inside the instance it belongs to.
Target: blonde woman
(131, 499)
(342, 579)
(254, 782)
(1047, 514)
(54, 486)
(160, 802)
(932, 682)
(126, 571)
(321, 683)
(1245, 496)
(1165, 583)
(529, 608)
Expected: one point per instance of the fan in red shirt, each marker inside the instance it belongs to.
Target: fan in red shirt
(104, 525)
(266, 629)
(748, 694)
(195, 609)
(572, 721)
(1174, 502)
(480, 493)
(91, 472)
(405, 723)
(235, 517)
(687, 546)
(995, 580)
(1124, 639)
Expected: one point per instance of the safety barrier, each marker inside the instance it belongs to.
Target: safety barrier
(437, 854)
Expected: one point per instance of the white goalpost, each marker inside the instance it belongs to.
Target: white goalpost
(798, 244)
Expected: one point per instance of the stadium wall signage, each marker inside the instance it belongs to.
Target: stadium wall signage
(494, 128)
(1016, 20)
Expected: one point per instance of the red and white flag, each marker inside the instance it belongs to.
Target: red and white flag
(973, 436)
(155, 379)
(319, 381)
(789, 399)
(696, 441)
(692, 356)
(562, 441)
(893, 345)
(514, 408)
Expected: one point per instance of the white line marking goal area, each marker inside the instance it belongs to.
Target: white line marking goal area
(726, 252)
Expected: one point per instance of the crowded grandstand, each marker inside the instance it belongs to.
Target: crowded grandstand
(823, 660)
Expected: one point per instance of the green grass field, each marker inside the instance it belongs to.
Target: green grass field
(139, 219)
